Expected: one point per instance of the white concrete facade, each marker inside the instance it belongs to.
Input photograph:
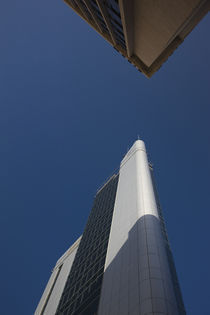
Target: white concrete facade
(137, 276)
(54, 289)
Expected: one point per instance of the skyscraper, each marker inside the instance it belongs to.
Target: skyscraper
(122, 264)
(146, 32)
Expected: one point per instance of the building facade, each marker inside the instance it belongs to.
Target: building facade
(146, 32)
(122, 264)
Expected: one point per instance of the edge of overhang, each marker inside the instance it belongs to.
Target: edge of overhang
(202, 9)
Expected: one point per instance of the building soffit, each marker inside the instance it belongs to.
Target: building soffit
(127, 18)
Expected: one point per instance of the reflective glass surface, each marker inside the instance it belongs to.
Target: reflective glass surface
(82, 290)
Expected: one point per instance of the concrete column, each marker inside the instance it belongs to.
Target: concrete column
(138, 276)
(51, 296)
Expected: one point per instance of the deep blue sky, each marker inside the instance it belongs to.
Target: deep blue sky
(70, 106)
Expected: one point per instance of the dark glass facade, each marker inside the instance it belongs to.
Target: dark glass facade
(115, 18)
(82, 290)
(85, 9)
(113, 12)
(99, 16)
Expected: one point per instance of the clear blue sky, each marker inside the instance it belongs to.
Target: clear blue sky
(70, 106)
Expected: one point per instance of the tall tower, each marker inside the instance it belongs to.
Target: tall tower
(123, 262)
